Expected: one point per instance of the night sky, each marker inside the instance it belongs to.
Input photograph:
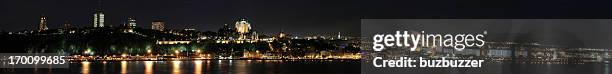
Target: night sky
(301, 17)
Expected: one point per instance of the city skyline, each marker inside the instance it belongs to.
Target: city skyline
(187, 14)
(305, 37)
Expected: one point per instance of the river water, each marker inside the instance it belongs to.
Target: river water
(204, 67)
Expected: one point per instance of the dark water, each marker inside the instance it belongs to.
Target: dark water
(205, 67)
(300, 67)
(500, 68)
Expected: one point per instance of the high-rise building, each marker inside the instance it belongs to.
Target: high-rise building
(131, 22)
(98, 18)
(339, 36)
(157, 25)
(43, 24)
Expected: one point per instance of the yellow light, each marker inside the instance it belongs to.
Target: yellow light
(148, 51)
(176, 51)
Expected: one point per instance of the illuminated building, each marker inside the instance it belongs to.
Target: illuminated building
(255, 36)
(282, 35)
(158, 25)
(129, 27)
(131, 22)
(173, 42)
(339, 36)
(98, 16)
(43, 24)
(243, 26)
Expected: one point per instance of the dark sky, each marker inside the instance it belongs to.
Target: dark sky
(302, 17)
(309, 17)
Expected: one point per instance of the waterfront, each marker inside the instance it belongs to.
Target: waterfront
(301, 67)
(204, 67)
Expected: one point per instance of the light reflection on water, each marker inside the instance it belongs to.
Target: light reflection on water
(198, 67)
(241, 67)
(104, 67)
(607, 69)
(201, 67)
(85, 68)
(207, 67)
(289, 67)
(124, 67)
(148, 67)
(176, 67)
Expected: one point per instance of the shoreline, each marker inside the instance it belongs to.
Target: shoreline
(227, 59)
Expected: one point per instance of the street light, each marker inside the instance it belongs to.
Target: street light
(88, 52)
(177, 52)
(149, 52)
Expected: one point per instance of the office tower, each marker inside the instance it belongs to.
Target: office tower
(98, 19)
(99, 16)
(131, 22)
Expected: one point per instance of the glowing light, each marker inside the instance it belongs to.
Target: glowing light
(148, 67)
(176, 67)
(243, 26)
(85, 68)
(124, 55)
(198, 67)
(123, 67)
